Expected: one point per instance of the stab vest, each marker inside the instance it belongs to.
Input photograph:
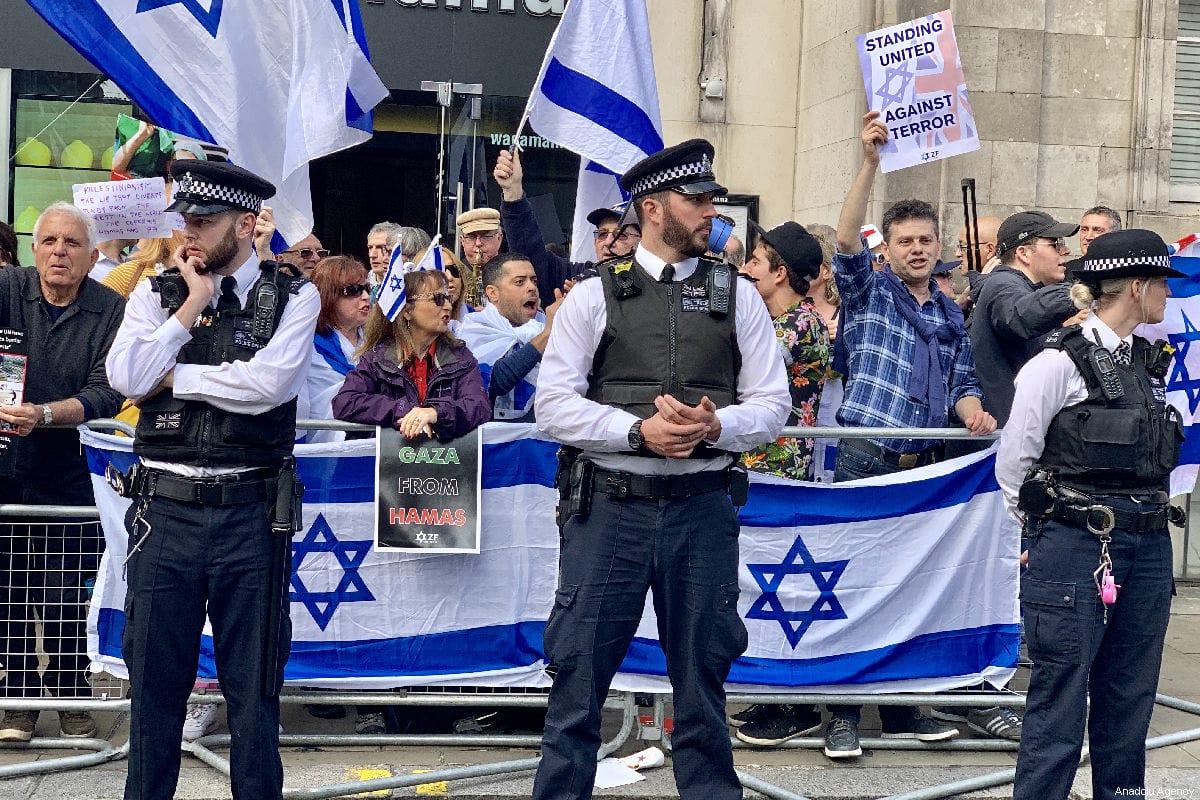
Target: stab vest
(1101, 446)
(665, 338)
(198, 433)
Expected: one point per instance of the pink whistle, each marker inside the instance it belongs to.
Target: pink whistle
(1108, 589)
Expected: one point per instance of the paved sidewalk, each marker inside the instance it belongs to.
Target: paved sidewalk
(1174, 771)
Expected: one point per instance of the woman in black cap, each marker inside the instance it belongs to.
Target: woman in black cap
(1085, 462)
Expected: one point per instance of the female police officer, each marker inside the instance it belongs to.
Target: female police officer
(1084, 462)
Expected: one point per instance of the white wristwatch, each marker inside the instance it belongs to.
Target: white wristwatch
(47, 414)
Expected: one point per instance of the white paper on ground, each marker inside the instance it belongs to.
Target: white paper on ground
(611, 772)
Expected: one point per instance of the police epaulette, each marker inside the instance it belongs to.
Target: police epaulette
(1055, 338)
(292, 281)
(585, 273)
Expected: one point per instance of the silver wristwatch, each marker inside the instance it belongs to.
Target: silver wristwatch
(47, 414)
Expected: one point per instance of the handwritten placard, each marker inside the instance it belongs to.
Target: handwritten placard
(127, 209)
(427, 493)
(914, 78)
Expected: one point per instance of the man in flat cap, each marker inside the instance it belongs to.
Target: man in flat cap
(480, 236)
(208, 350)
(658, 371)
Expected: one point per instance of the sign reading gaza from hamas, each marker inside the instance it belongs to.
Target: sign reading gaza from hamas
(427, 493)
(914, 78)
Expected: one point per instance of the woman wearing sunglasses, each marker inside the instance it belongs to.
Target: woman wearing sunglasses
(413, 374)
(345, 304)
(455, 269)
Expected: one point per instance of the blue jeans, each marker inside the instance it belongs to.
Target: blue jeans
(1076, 655)
(686, 551)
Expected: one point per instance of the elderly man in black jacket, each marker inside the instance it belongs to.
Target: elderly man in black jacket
(68, 322)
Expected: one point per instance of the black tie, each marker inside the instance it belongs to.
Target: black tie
(668, 274)
(228, 301)
(1123, 354)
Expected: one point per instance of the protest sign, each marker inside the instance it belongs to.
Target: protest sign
(125, 209)
(12, 391)
(427, 493)
(914, 78)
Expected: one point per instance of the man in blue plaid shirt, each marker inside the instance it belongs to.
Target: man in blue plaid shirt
(909, 366)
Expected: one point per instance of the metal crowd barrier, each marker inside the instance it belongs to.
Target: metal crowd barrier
(203, 748)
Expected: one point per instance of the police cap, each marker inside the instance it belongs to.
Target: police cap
(1132, 253)
(685, 168)
(211, 187)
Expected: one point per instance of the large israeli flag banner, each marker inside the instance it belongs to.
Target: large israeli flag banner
(1180, 328)
(277, 82)
(905, 582)
(596, 95)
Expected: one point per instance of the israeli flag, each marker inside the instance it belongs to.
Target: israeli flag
(391, 296)
(1180, 328)
(596, 95)
(905, 582)
(277, 82)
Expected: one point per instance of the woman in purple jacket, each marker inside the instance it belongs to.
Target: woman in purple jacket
(413, 374)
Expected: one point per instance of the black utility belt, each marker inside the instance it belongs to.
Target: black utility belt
(251, 486)
(1099, 517)
(660, 487)
(892, 458)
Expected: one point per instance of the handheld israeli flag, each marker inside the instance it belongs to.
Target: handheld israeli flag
(904, 582)
(596, 95)
(391, 297)
(276, 82)
(1180, 328)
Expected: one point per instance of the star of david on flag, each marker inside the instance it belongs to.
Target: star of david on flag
(798, 562)
(351, 588)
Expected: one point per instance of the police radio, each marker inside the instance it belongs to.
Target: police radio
(720, 285)
(265, 301)
(1106, 369)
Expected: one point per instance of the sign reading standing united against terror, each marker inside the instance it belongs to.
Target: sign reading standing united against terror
(427, 493)
(914, 78)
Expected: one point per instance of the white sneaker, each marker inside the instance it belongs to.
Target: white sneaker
(200, 720)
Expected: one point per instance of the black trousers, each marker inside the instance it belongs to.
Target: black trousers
(198, 557)
(686, 552)
(46, 569)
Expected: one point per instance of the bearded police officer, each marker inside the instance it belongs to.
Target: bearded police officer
(209, 350)
(656, 373)
(1085, 460)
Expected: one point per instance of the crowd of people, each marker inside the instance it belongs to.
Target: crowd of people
(665, 369)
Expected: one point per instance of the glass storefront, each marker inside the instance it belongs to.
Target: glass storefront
(425, 162)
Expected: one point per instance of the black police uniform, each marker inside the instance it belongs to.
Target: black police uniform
(632, 521)
(1099, 487)
(215, 502)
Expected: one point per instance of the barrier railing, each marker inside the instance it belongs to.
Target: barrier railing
(624, 703)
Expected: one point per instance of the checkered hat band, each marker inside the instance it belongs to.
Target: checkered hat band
(1104, 264)
(696, 169)
(189, 187)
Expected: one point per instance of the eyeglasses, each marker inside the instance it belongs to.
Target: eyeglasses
(480, 237)
(307, 252)
(355, 289)
(438, 298)
(623, 235)
(1058, 244)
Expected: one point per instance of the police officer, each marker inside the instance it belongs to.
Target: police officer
(664, 366)
(1085, 461)
(209, 351)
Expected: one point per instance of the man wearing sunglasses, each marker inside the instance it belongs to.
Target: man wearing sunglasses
(304, 254)
(516, 213)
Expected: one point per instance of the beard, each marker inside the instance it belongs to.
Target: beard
(676, 236)
(223, 252)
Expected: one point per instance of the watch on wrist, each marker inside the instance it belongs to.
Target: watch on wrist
(636, 440)
(47, 414)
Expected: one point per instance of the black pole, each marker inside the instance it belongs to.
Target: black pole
(971, 225)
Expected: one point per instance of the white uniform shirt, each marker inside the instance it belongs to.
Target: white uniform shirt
(150, 339)
(1048, 383)
(602, 431)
